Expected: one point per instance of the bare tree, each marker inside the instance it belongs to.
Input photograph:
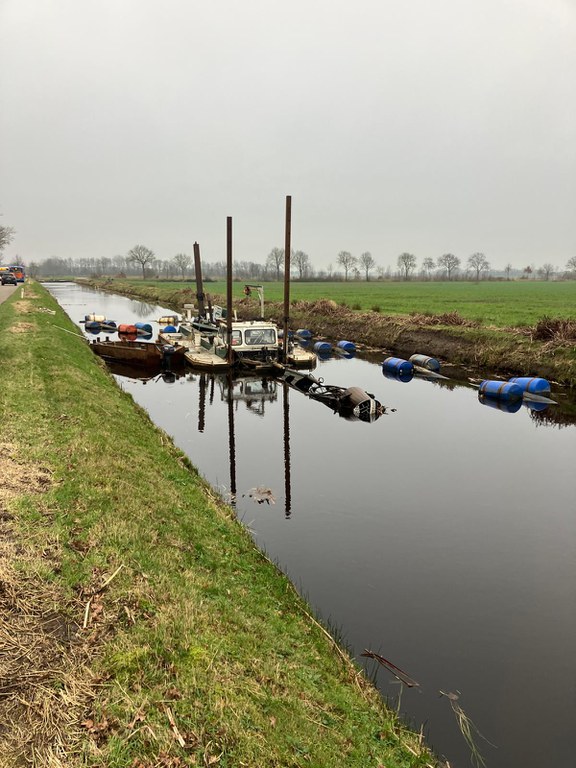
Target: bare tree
(275, 259)
(450, 263)
(182, 261)
(140, 255)
(478, 263)
(301, 261)
(6, 236)
(406, 264)
(508, 269)
(571, 264)
(546, 270)
(367, 262)
(346, 261)
(528, 271)
(428, 266)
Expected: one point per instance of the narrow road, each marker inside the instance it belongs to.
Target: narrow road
(6, 291)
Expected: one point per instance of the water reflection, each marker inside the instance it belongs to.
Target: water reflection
(506, 406)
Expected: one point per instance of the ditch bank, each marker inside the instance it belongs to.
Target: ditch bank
(547, 349)
(139, 624)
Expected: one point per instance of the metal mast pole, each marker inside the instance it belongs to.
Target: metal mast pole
(288, 234)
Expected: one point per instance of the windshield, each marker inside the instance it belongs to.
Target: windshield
(260, 336)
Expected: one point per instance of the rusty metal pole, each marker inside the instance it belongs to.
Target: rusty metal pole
(229, 286)
(288, 235)
(199, 286)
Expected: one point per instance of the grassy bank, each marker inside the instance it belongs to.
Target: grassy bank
(139, 625)
(535, 332)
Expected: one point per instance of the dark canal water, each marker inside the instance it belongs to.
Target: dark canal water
(442, 536)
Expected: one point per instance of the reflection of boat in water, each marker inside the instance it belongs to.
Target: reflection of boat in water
(139, 353)
(145, 373)
(255, 392)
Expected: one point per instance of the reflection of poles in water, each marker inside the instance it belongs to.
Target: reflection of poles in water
(211, 390)
(202, 403)
(287, 479)
(231, 443)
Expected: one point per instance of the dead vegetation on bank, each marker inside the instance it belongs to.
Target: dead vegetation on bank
(44, 682)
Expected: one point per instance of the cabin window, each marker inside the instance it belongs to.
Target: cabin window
(236, 338)
(260, 336)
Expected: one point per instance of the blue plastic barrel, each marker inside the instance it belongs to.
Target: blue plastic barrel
(92, 326)
(303, 333)
(423, 361)
(169, 329)
(397, 365)
(108, 325)
(506, 406)
(501, 390)
(532, 385)
(143, 327)
(400, 375)
(322, 348)
(347, 346)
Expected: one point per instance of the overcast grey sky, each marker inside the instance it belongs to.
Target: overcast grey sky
(427, 126)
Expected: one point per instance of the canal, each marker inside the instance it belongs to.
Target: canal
(441, 536)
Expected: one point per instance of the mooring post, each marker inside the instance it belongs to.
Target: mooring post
(286, 318)
(229, 286)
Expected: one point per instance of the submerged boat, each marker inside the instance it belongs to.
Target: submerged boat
(352, 403)
(141, 353)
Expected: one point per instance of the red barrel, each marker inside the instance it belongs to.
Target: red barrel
(127, 329)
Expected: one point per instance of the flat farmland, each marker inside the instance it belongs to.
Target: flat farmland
(506, 303)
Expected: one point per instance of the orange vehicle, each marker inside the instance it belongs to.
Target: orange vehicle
(18, 271)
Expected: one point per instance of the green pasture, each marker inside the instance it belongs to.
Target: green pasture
(502, 304)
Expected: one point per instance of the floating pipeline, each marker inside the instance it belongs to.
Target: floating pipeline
(423, 361)
(398, 368)
(404, 375)
(322, 349)
(127, 329)
(500, 390)
(145, 329)
(532, 385)
(168, 320)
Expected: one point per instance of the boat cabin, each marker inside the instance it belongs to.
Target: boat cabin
(251, 339)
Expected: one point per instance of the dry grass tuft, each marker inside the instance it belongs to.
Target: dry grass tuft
(447, 318)
(44, 681)
(558, 330)
(22, 327)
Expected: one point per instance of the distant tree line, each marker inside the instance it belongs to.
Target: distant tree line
(142, 261)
